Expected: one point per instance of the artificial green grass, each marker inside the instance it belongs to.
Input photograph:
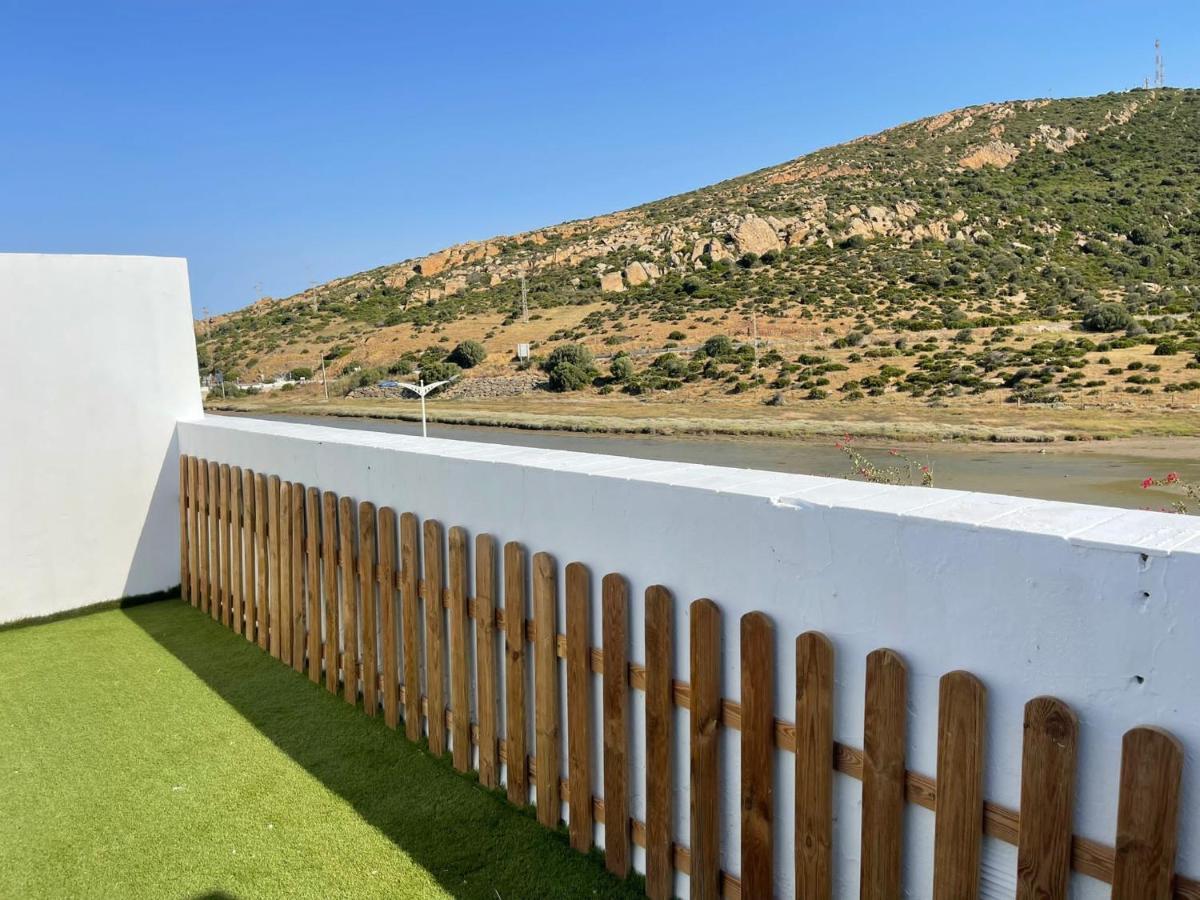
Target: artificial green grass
(150, 752)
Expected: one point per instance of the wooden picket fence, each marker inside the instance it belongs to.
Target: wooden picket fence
(294, 568)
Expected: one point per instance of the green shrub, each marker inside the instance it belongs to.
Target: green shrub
(621, 368)
(576, 355)
(301, 372)
(468, 354)
(567, 376)
(1107, 317)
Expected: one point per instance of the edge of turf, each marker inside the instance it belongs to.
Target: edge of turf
(170, 593)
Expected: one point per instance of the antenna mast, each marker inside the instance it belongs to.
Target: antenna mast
(524, 299)
(1158, 64)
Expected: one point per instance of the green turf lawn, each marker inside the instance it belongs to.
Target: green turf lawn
(150, 752)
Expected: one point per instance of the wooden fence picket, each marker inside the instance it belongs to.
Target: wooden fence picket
(486, 678)
(758, 752)
(227, 475)
(250, 569)
(185, 576)
(236, 579)
(435, 637)
(368, 613)
(1047, 800)
(614, 620)
(283, 549)
(579, 707)
(214, 539)
(884, 735)
(388, 620)
(516, 736)
(193, 482)
(547, 731)
(263, 564)
(202, 544)
(660, 714)
(296, 530)
(312, 563)
(814, 769)
(705, 775)
(329, 587)
(460, 697)
(349, 608)
(958, 813)
(273, 565)
(1147, 815)
(411, 623)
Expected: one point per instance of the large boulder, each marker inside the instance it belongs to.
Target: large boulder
(611, 283)
(755, 235)
(638, 272)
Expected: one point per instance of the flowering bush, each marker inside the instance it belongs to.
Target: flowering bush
(1191, 492)
(903, 472)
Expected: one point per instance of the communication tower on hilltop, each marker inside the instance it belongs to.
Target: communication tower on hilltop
(1159, 79)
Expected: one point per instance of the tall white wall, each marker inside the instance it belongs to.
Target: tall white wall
(99, 363)
(1096, 606)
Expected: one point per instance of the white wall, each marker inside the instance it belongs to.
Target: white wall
(1034, 597)
(99, 363)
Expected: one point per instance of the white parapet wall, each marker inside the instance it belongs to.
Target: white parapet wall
(100, 363)
(1096, 606)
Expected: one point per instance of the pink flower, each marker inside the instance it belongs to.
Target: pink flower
(1149, 482)
(1172, 477)
(894, 452)
(925, 469)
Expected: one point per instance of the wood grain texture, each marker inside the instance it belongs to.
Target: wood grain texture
(705, 720)
(516, 735)
(312, 566)
(283, 621)
(486, 678)
(218, 482)
(347, 526)
(757, 757)
(389, 622)
(329, 587)
(225, 615)
(193, 480)
(884, 736)
(368, 613)
(958, 823)
(579, 706)
(660, 873)
(814, 766)
(460, 675)
(1047, 800)
(296, 530)
(1147, 815)
(547, 729)
(273, 587)
(410, 562)
(614, 622)
(435, 637)
(262, 561)
(204, 530)
(185, 570)
(249, 563)
(236, 551)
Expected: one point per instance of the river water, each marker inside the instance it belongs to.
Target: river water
(1104, 475)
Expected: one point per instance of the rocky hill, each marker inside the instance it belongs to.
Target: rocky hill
(1037, 249)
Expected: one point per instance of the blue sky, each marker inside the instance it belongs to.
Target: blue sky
(274, 144)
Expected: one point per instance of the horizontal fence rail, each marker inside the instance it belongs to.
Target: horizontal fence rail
(384, 610)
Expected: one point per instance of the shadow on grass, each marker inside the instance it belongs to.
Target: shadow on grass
(467, 837)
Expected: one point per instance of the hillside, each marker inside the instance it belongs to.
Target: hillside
(1041, 252)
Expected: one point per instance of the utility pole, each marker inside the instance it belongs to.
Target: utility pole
(754, 332)
(524, 299)
(324, 380)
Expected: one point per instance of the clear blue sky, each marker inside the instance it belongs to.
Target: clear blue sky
(276, 144)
